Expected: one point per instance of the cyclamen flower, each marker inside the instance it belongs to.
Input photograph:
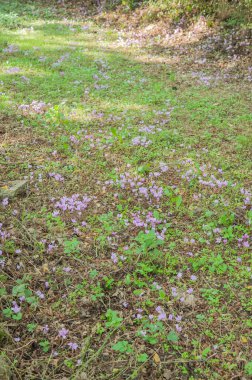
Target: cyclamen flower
(178, 328)
(67, 269)
(11, 49)
(142, 141)
(13, 70)
(114, 258)
(73, 203)
(34, 107)
(157, 286)
(45, 329)
(161, 313)
(5, 202)
(174, 292)
(63, 333)
(40, 294)
(56, 176)
(73, 346)
(16, 309)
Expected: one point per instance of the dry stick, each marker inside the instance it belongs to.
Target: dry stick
(46, 368)
(13, 164)
(20, 348)
(13, 366)
(93, 357)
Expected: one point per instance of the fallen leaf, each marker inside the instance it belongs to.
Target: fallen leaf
(45, 268)
(244, 339)
(156, 358)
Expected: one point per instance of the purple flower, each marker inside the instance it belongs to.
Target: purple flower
(157, 286)
(13, 70)
(161, 313)
(67, 269)
(40, 294)
(174, 292)
(45, 329)
(16, 309)
(178, 328)
(114, 258)
(193, 277)
(5, 202)
(63, 333)
(73, 346)
(162, 316)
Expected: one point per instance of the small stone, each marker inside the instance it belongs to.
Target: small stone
(82, 376)
(167, 374)
(189, 300)
(13, 189)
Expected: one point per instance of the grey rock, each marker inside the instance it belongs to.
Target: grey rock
(13, 189)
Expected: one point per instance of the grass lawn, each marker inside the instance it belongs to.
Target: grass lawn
(128, 257)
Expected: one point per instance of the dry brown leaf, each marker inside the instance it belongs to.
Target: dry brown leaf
(45, 268)
(244, 339)
(156, 358)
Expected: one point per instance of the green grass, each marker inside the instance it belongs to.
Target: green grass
(110, 282)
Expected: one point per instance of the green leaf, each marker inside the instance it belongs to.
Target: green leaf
(123, 347)
(18, 290)
(173, 336)
(71, 246)
(2, 292)
(17, 316)
(142, 358)
(112, 319)
(45, 345)
(205, 352)
(178, 201)
(248, 368)
(7, 312)
(31, 327)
